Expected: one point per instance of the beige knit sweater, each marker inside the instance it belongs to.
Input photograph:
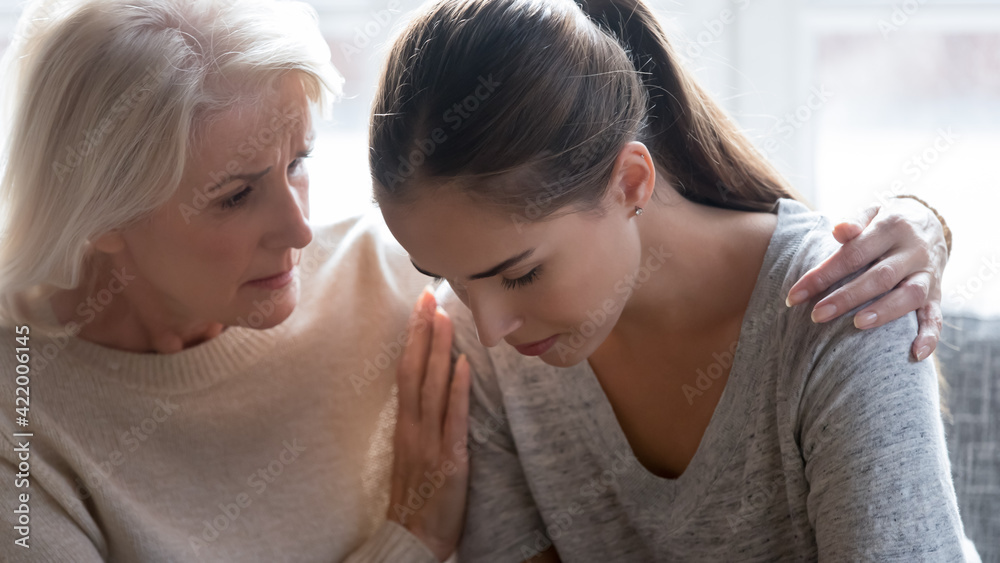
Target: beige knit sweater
(259, 445)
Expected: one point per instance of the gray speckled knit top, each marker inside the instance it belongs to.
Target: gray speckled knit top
(827, 444)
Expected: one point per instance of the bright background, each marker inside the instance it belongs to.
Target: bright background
(853, 100)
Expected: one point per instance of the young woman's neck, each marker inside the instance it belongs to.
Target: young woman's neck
(709, 260)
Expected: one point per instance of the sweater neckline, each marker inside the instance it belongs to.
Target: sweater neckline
(198, 367)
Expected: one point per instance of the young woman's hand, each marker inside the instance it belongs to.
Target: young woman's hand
(906, 242)
(430, 470)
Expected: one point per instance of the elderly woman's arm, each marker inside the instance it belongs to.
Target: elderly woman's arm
(430, 440)
(57, 530)
(392, 543)
(67, 532)
(502, 522)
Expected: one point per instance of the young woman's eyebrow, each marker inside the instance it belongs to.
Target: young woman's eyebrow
(508, 263)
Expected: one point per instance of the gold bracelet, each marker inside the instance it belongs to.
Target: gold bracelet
(944, 226)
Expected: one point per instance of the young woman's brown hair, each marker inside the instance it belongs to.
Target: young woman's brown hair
(533, 123)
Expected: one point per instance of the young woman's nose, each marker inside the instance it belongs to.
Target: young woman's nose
(494, 318)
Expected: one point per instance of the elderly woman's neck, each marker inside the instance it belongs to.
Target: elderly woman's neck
(116, 309)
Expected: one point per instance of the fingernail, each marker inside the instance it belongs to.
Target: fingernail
(865, 320)
(923, 352)
(824, 313)
(422, 311)
(796, 298)
(418, 307)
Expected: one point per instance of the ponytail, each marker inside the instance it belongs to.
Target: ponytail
(706, 157)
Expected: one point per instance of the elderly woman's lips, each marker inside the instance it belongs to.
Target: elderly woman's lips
(274, 282)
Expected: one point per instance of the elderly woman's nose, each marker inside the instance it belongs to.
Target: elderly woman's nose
(289, 216)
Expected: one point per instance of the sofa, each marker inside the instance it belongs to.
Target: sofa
(969, 359)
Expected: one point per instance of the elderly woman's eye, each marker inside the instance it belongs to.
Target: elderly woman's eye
(238, 199)
(298, 162)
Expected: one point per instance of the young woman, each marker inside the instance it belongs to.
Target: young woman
(592, 207)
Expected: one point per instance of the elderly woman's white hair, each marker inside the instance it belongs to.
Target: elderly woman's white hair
(106, 99)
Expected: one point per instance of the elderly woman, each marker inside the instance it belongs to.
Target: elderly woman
(190, 372)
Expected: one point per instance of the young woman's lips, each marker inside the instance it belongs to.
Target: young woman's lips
(274, 282)
(537, 348)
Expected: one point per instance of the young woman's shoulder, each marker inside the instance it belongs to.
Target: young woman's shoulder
(803, 240)
(835, 364)
(866, 419)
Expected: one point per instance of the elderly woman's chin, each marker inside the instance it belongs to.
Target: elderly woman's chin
(267, 302)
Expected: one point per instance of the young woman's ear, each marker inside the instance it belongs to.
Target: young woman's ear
(111, 242)
(634, 177)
